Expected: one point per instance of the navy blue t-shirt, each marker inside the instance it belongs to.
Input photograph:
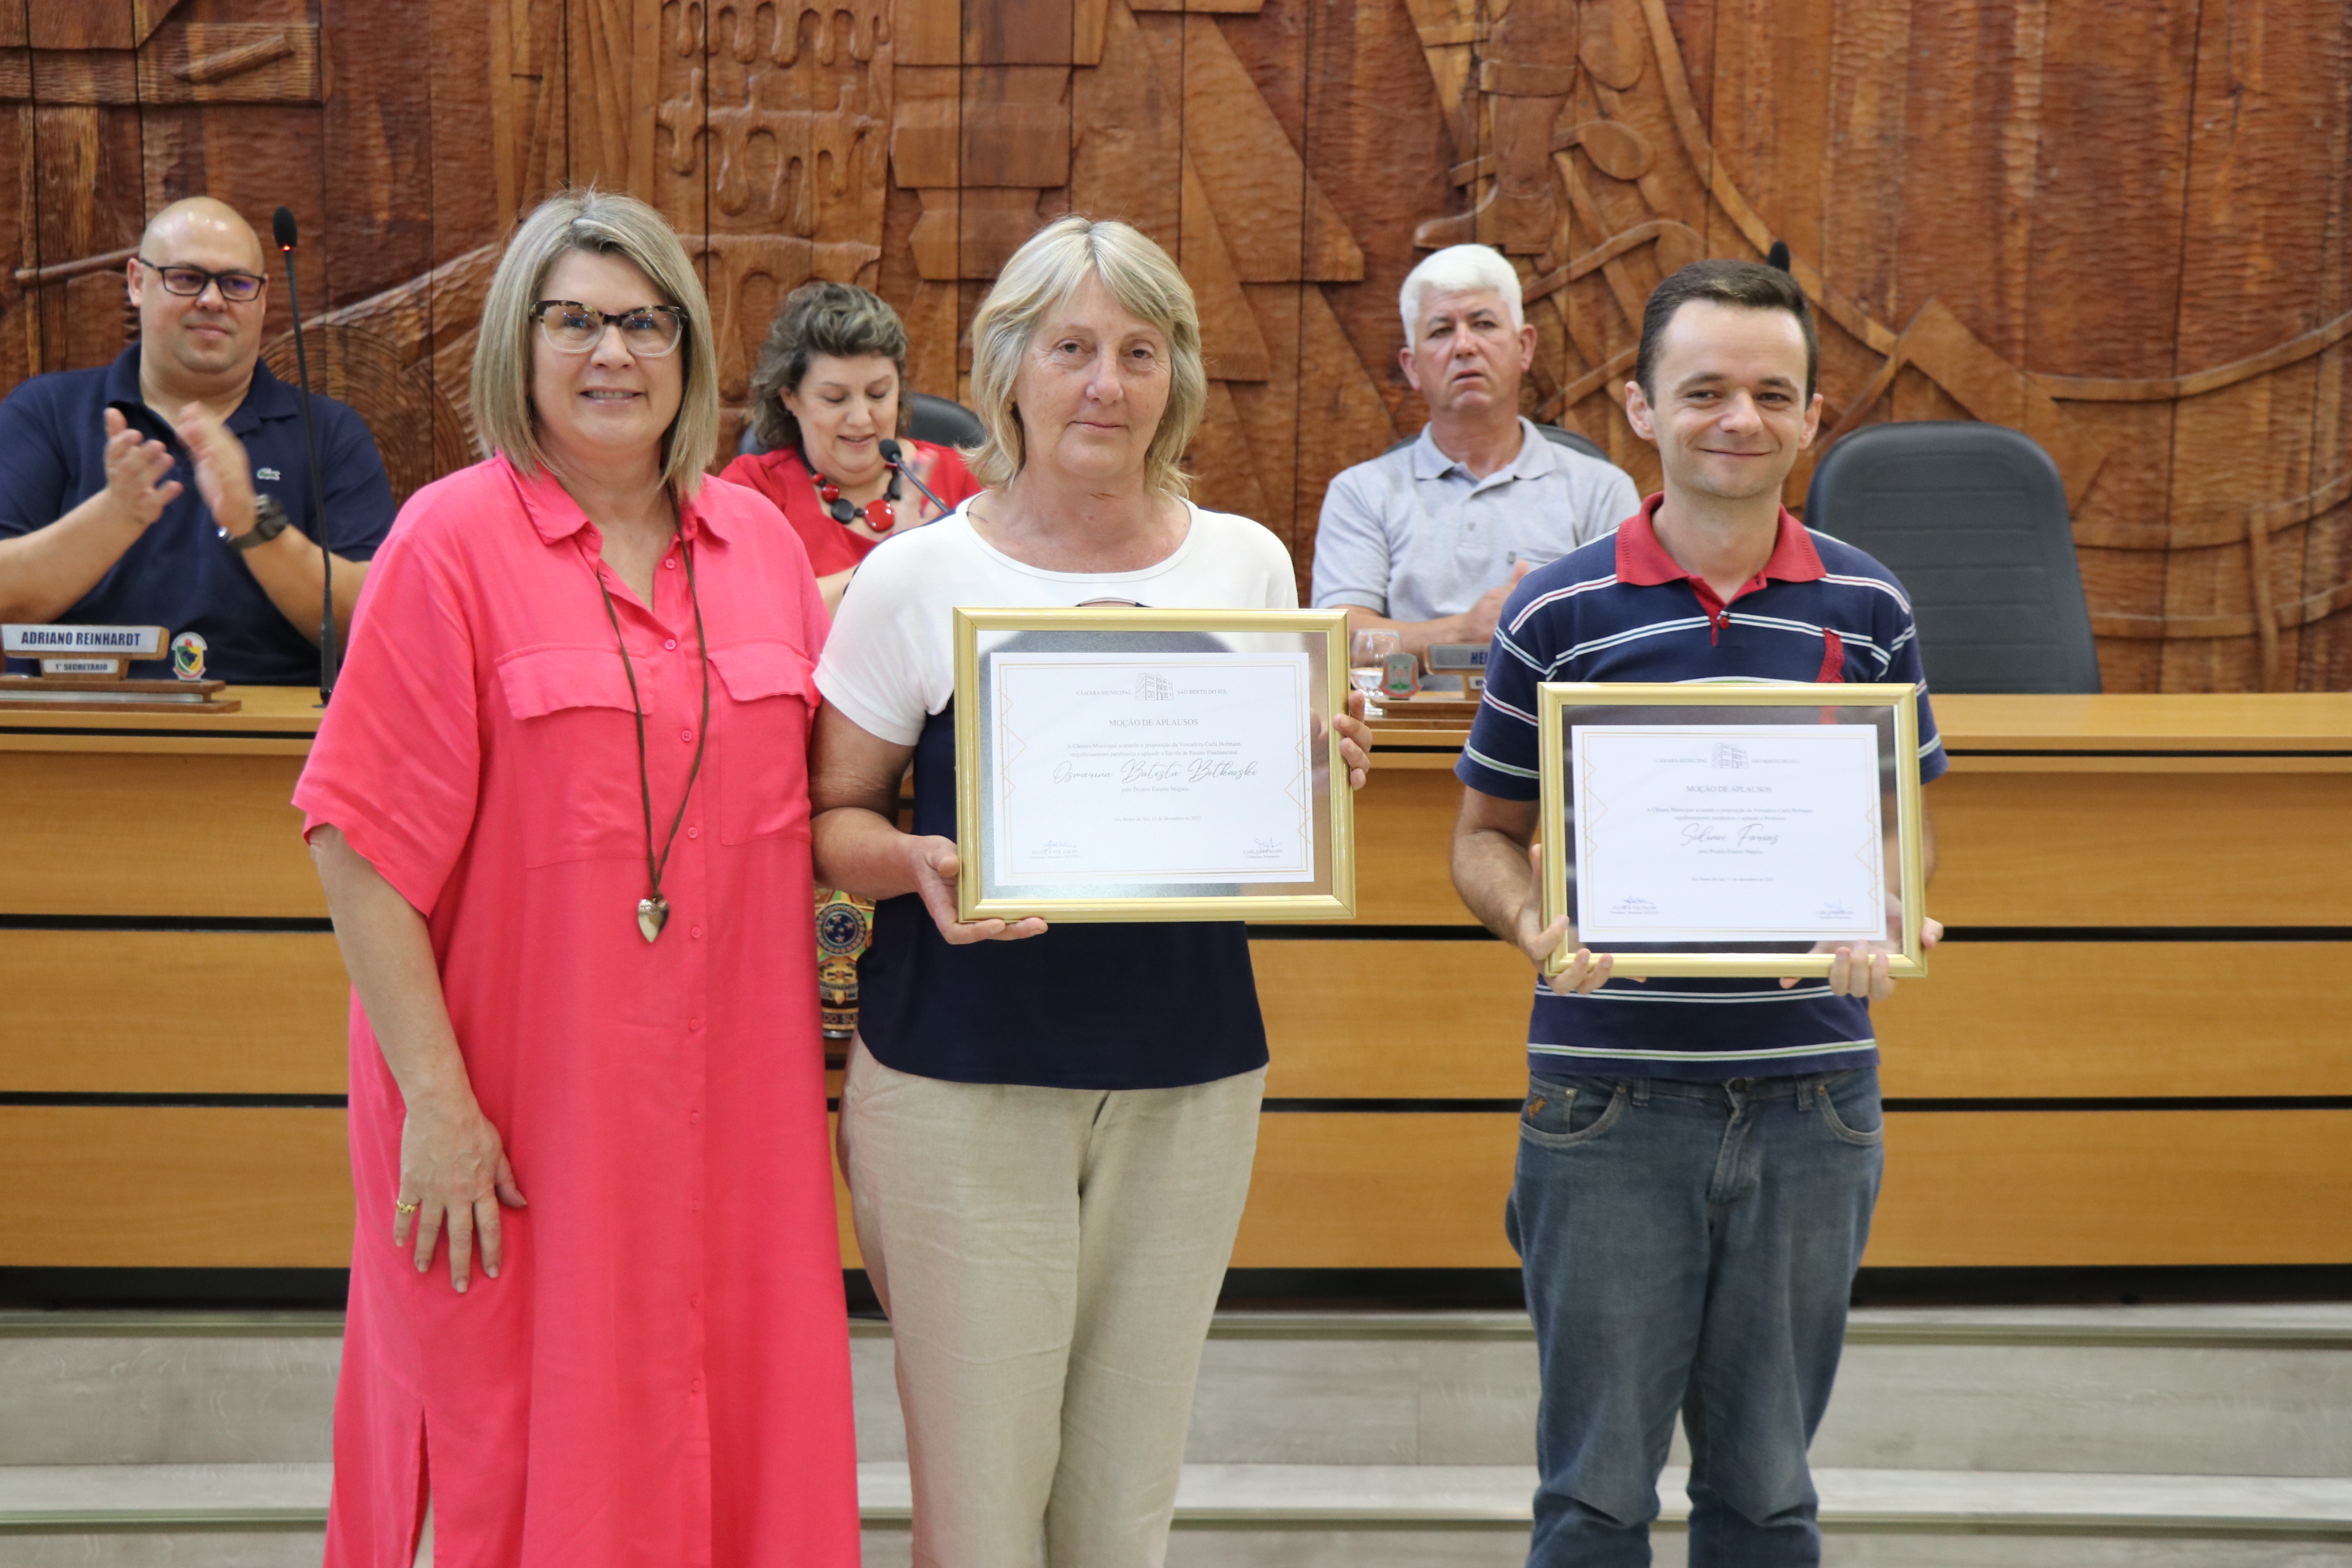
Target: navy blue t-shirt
(181, 575)
(1622, 609)
(1105, 1006)
(1086, 1006)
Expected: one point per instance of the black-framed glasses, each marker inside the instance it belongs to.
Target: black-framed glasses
(648, 331)
(237, 287)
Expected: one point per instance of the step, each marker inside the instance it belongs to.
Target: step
(2251, 1389)
(2204, 1390)
(162, 1515)
(2223, 1390)
(1304, 1516)
(167, 1388)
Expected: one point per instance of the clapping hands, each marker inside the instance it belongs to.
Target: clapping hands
(136, 468)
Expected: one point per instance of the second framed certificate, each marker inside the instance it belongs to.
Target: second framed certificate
(1732, 830)
(1131, 764)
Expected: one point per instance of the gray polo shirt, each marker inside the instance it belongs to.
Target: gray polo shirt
(1412, 536)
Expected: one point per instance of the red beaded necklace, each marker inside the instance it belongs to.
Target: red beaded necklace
(877, 514)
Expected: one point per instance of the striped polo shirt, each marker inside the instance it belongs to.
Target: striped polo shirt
(1622, 609)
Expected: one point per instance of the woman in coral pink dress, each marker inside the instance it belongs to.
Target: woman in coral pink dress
(560, 807)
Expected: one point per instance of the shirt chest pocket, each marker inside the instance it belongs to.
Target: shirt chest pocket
(576, 755)
(761, 706)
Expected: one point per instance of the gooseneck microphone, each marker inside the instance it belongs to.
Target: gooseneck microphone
(895, 454)
(282, 225)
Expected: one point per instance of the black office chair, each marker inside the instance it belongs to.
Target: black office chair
(1973, 518)
(942, 421)
(1575, 441)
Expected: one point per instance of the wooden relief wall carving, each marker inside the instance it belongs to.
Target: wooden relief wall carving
(2118, 227)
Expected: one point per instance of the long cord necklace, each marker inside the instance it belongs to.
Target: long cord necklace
(653, 909)
(877, 514)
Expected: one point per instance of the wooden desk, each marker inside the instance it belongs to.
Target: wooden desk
(2131, 1050)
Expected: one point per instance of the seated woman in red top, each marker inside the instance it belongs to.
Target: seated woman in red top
(825, 397)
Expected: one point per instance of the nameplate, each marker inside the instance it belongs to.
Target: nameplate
(1467, 659)
(101, 642)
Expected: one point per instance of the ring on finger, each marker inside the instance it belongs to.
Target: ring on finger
(409, 1208)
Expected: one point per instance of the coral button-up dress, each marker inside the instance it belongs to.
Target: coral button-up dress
(660, 1376)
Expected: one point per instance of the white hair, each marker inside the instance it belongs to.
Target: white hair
(1459, 269)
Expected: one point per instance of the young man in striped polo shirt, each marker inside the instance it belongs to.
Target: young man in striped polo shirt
(1697, 1159)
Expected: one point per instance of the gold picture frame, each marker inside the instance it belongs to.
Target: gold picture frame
(1892, 708)
(1126, 637)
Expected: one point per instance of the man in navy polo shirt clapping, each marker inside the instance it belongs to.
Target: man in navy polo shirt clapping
(1698, 1159)
(172, 488)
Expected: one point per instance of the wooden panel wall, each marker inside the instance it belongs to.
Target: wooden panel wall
(2118, 225)
(2073, 1084)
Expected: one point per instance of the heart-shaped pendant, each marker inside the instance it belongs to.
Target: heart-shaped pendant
(652, 915)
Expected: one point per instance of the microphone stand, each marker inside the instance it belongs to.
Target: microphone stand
(895, 454)
(317, 491)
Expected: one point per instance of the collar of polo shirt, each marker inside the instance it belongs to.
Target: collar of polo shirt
(1537, 457)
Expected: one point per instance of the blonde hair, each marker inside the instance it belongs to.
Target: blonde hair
(607, 224)
(1044, 273)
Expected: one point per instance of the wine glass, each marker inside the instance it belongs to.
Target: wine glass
(1368, 665)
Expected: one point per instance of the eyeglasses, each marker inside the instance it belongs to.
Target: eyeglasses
(236, 287)
(648, 331)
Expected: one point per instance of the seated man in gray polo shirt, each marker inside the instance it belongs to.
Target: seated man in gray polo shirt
(1426, 540)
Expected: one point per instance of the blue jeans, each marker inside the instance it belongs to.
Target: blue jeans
(1688, 1247)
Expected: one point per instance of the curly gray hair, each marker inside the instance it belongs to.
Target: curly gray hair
(836, 319)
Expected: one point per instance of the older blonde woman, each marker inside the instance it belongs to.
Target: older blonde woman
(1048, 1134)
(558, 807)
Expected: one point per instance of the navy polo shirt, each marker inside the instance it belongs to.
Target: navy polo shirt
(179, 574)
(1622, 609)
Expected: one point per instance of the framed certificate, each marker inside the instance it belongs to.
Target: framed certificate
(1731, 830)
(1118, 763)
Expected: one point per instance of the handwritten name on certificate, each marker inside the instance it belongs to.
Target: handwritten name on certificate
(1173, 768)
(1727, 833)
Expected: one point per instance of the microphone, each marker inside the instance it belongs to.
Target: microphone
(896, 456)
(281, 227)
(1777, 257)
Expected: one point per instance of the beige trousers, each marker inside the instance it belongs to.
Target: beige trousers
(1049, 1258)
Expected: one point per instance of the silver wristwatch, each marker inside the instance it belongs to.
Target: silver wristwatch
(269, 520)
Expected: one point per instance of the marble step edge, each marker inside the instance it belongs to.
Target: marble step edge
(2318, 1326)
(159, 1521)
(1313, 1496)
(2313, 1326)
(190, 1325)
